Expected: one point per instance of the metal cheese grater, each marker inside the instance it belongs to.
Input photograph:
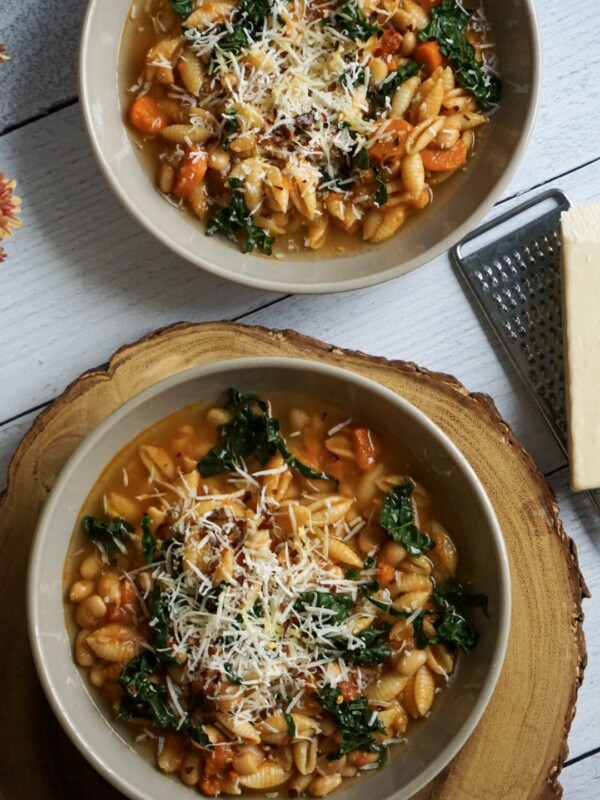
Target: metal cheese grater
(515, 275)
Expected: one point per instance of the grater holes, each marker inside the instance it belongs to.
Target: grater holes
(524, 303)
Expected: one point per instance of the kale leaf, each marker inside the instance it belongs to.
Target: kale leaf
(182, 7)
(148, 540)
(251, 433)
(374, 650)
(350, 21)
(235, 217)
(447, 27)
(355, 720)
(353, 76)
(382, 94)
(211, 597)
(451, 627)
(231, 676)
(380, 197)
(232, 125)
(361, 159)
(291, 724)
(143, 697)
(247, 20)
(159, 625)
(339, 604)
(108, 536)
(144, 700)
(173, 555)
(398, 520)
(452, 593)
(453, 630)
(389, 609)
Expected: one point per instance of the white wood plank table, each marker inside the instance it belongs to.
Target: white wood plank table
(82, 277)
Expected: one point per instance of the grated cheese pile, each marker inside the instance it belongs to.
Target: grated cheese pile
(297, 82)
(244, 639)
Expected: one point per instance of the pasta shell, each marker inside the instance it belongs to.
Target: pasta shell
(444, 555)
(225, 569)
(340, 551)
(411, 16)
(329, 510)
(380, 224)
(277, 190)
(242, 728)
(114, 642)
(403, 96)
(305, 756)
(284, 757)
(192, 72)
(386, 688)
(269, 774)
(439, 660)
(156, 459)
(298, 784)
(388, 716)
(274, 729)
(303, 190)
(317, 232)
(185, 134)
(413, 174)
(411, 601)
(207, 13)
(412, 582)
(432, 102)
(170, 756)
(423, 134)
(424, 690)
(116, 505)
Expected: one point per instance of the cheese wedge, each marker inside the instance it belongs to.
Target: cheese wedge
(581, 311)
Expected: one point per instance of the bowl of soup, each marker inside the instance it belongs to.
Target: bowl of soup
(309, 147)
(268, 575)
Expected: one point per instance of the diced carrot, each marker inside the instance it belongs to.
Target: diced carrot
(361, 758)
(427, 5)
(391, 141)
(128, 594)
(219, 759)
(428, 54)
(385, 574)
(117, 614)
(390, 42)
(210, 786)
(146, 115)
(191, 172)
(365, 448)
(349, 690)
(444, 160)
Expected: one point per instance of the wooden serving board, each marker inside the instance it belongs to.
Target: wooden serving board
(518, 748)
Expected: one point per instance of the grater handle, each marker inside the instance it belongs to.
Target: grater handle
(562, 202)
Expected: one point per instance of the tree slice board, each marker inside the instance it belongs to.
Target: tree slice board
(519, 746)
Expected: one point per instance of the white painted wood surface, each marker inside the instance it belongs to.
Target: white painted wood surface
(82, 278)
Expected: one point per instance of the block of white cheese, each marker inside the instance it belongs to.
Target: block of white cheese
(581, 312)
